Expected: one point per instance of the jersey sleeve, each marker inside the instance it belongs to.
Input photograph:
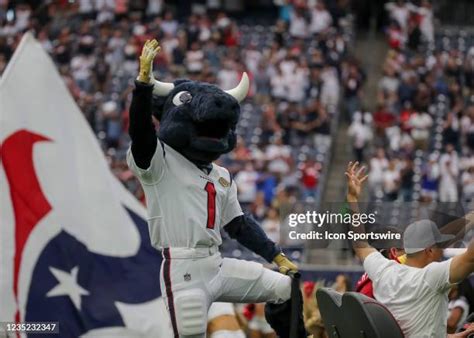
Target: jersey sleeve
(437, 275)
(375, 264)
(232, 207)
(156, 169)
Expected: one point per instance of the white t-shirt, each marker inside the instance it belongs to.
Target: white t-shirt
(227, 78)
(461, 302)
(194, 60)
(377, 167)
(420, 123)
(398, 13)
(186, 207)
(247, 183)
(298, 27)
(417, 298)
(361, 133)
(449, 167)
(320, 20)
(390, 178)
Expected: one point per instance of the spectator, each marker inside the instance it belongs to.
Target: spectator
(298, 25)
(396, 38)
(312, 316)
(430, 179)
(389, 83)
(449, 171)
(227, 77)
(415, 292)
(467, 182)
(83, 64)
(399, 12)
(258, 326)
(342, 283)
(420, 124)
(458, 309)
(378, 164)
(352, 84)
(278, 85)
(451, 130)
(383, 119)
(391, 181)
(154, 7)
(296, 83)
(426, 17)
(194, 59)
(271, 225)
(321, 19)
(169, 25)
(247, 184)
(406, 180)
(361, 134)
(113, 126)
(309, 177)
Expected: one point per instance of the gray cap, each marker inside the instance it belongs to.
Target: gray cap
(421, 235)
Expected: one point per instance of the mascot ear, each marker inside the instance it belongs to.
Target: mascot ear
(158, 105)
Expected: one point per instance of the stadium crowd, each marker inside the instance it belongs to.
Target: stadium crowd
(296, 67)
(422, 131)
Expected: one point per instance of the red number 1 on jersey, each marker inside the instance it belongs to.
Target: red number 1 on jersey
(211, 204)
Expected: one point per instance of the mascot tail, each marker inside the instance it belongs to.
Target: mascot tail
(277, 314)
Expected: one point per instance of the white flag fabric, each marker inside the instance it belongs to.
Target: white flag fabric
(74, 242)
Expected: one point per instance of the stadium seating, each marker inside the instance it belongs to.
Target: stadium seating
(355, 315)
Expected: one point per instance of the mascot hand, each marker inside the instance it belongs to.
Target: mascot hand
(284, 264)
(149, 51)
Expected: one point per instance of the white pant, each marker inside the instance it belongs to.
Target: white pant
(448, 192)
(192, 279)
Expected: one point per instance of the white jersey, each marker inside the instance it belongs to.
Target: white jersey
(186, 206)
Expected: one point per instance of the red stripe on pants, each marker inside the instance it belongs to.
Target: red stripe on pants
(169, 292)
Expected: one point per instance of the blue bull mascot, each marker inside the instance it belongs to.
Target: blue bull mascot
(190, 200)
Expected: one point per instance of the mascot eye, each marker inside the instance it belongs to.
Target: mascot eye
(182, 98)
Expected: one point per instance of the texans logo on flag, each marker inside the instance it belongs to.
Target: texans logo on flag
(75, 246)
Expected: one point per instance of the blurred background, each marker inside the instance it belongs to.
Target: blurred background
(390, 84)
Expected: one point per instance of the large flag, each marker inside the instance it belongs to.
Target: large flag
(74, 245)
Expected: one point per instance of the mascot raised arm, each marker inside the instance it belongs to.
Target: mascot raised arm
(190, 198)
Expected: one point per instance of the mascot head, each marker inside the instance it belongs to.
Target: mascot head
(198, 119)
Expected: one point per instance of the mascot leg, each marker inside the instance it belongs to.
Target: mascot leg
(185, 295)
(249, 282)
(191, 308)
(280, 316)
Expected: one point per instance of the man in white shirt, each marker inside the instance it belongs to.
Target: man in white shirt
(246, 181)
(449, 170)
(416, 293)
(321, 19)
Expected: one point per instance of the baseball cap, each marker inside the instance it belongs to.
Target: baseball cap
(421, 235)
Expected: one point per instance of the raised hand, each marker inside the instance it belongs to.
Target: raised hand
(149, 51)
(355, 179)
